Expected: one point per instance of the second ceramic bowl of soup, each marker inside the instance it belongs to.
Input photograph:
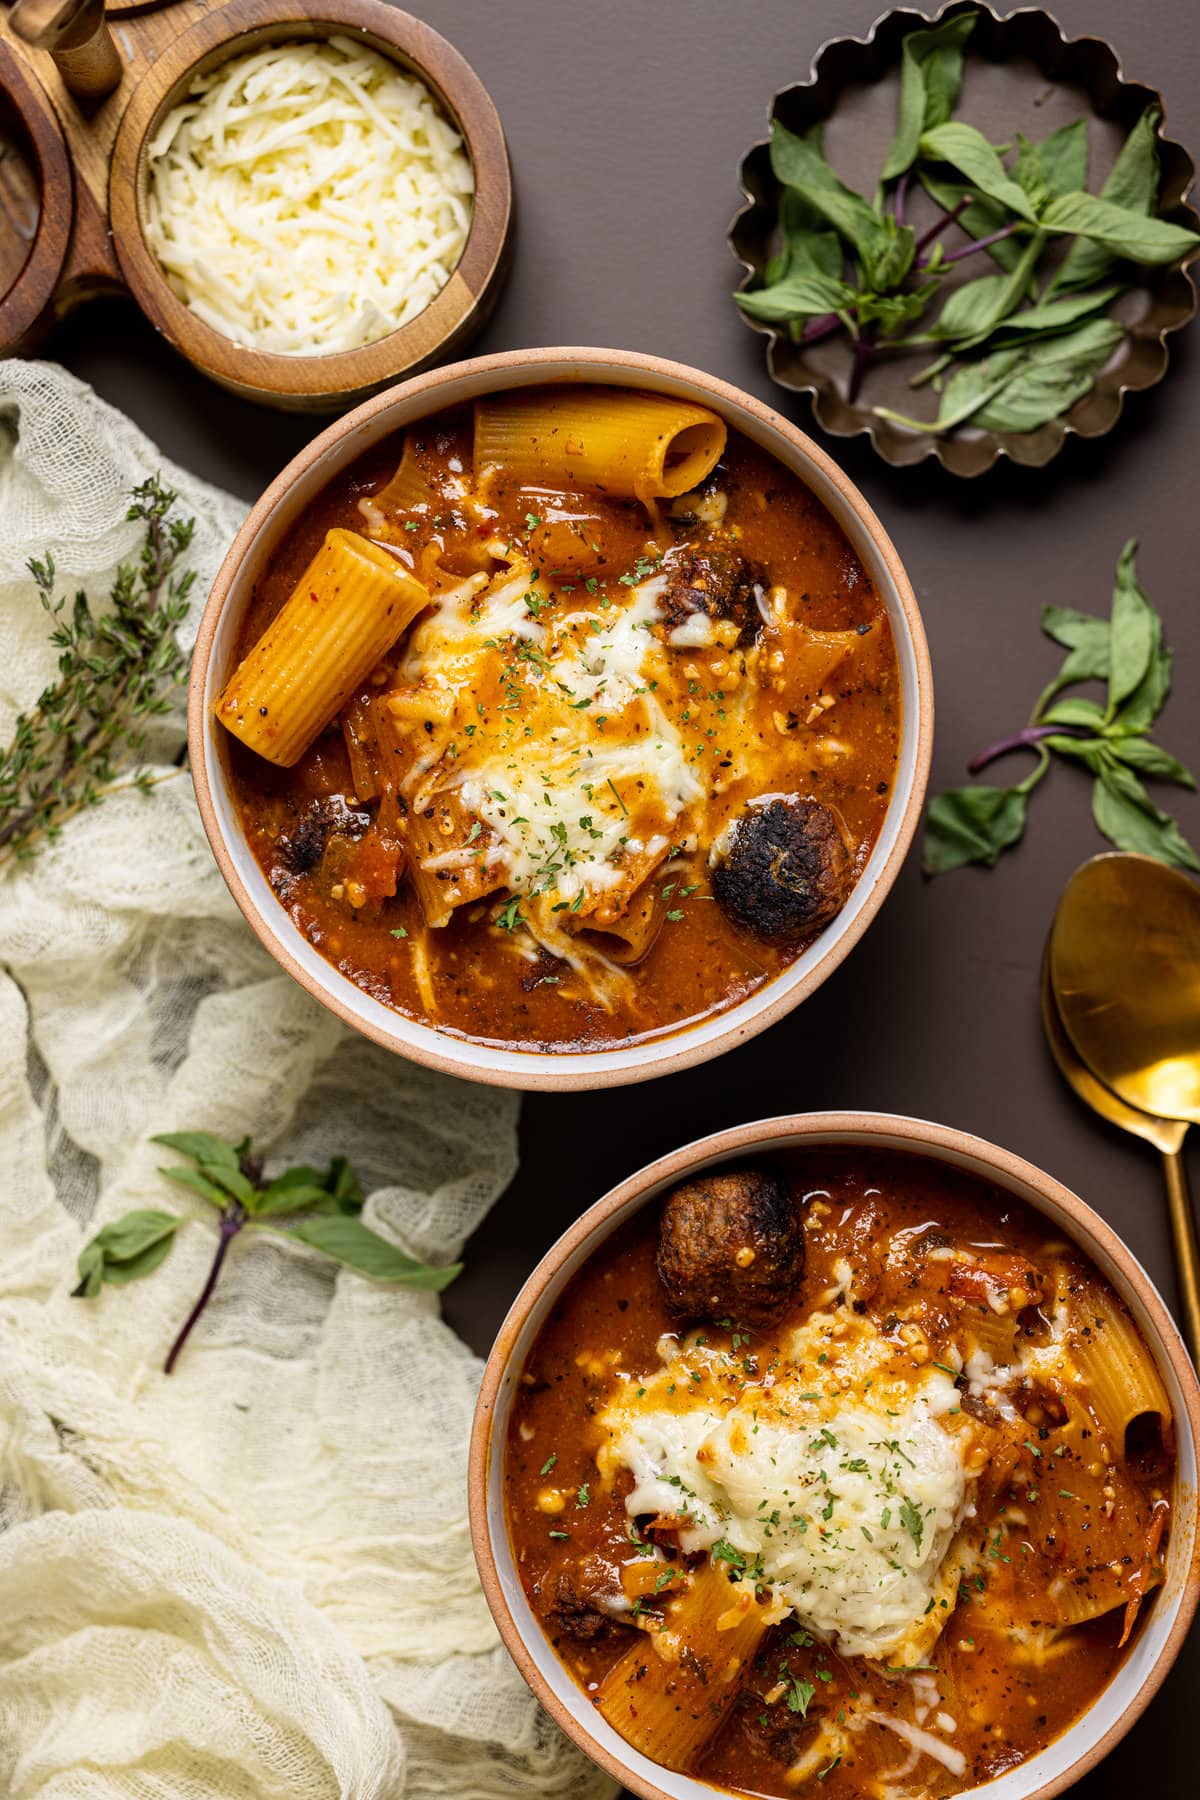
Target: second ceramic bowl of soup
(523, 985)
(839, 1454)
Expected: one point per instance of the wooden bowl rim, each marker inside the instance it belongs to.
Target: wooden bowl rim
(33, 287)
(922, 1137)
(1109, 390)
(456, 87)
(681, 1049)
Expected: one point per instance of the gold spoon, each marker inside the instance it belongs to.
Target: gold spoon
(1121, 1009)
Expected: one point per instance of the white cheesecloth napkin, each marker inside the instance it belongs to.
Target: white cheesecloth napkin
(252, 1580)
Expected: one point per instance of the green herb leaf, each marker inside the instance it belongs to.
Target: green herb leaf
(350, 1242)
(799, 162)
(1133, 184)
(972, 312)
(930, 77)
(1133, 632)
(1055, 315)
(199, 1184)
(1151, 759)
(913, 1523)
(800, 1693)
(980, 218)
(1074, 710)
(1127, 653)
(201, 1146)
(797, 295)
(968, 151)
(125, 1250)
(1127, 816)
(1062, 158)
(1051, 376)
(971, 825)
(1128, 234)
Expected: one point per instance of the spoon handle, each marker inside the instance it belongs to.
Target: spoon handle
(1187, 1254)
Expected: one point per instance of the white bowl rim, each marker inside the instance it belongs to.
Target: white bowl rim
(330, 453)
(1097, 1730)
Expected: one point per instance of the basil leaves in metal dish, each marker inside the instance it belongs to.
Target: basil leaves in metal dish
(966, 238)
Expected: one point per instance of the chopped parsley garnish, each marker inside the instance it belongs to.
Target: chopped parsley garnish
(549, 1463)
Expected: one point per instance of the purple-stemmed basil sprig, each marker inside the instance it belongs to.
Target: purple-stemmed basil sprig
(1110, 738)
(314, 1207)
(1029, 337)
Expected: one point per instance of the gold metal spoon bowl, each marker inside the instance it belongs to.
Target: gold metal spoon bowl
(1121, 1010)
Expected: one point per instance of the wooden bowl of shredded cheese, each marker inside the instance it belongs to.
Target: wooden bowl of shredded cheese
(311, 198)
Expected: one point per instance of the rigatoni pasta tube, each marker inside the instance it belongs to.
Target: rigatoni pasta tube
(346, 611)
(668, 1704)
(634, 446)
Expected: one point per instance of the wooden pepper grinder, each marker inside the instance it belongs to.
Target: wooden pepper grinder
(76, 34)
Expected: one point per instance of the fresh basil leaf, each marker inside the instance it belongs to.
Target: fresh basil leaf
(201, 1146)
(355, 1245)
(972, 307)
(1074, 710)
(199, 1184)
(930, 77)
(1148, 698)
(1133, 634)
(1132, 183)
(799, 162)
(1128, 818)
(968, 151)
(1126, 233)
(343, 1186)
(991, 299)
(1089, 751)
(796, 296)
(1055, 315)
(1063, 158)
(968, 390)
(1084, 635)
(971, 825)
(893, 311)
(1031, 177)
(1051, 376)
(289, 1197)
(125, 1250)
(1151, 759)
(132, 1268)
(806, 249)
(890, 262)
(979, 219)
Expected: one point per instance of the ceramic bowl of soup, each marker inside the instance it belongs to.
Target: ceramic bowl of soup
(843, 1454)
(561, 718)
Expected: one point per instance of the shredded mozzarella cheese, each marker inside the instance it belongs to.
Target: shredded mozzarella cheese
(846, 1510)
(308, 197)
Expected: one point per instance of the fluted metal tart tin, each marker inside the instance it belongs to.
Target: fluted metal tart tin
(1021, 73)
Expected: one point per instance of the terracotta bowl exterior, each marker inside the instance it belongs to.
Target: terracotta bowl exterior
(1095, 1733)
(251, 552)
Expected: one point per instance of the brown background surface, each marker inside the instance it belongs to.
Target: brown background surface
(626, 123)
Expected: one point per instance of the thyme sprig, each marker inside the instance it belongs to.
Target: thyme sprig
(116, 672)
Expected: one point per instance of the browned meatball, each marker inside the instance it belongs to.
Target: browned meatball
(709, 580)
(730, 1246)
(783, 869)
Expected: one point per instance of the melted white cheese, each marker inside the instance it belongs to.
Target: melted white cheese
(841, 1490)
(586, 777)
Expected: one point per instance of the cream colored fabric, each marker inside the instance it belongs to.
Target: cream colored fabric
(253, 1579)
